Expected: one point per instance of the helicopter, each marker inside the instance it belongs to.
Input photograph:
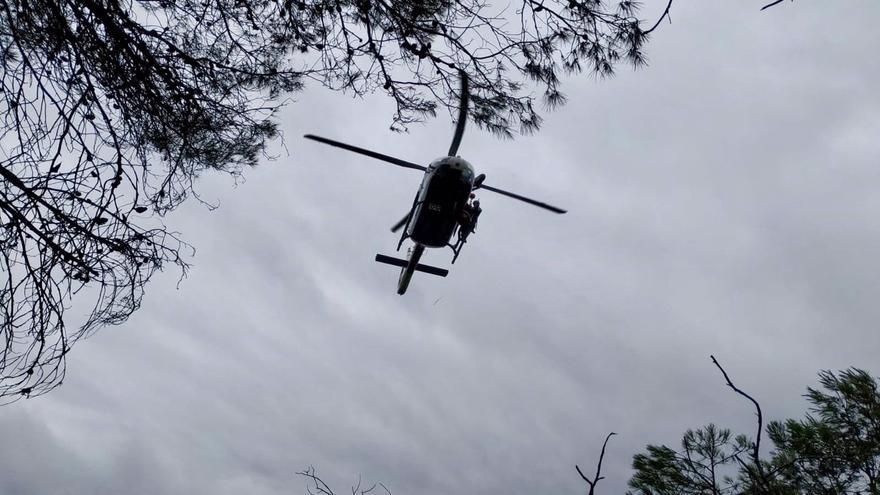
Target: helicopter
(444, 203)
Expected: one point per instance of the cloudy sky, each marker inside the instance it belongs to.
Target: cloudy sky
(722, 201)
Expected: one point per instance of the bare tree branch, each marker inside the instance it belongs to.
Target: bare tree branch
(759, 475)
(319, 487)
(592, 483)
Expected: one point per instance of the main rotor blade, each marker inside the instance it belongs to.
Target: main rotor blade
(523, 198)
(400, 224)
(462, 116)
(371, 154)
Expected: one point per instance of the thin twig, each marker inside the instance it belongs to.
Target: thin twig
(771, 4)
(665, 15)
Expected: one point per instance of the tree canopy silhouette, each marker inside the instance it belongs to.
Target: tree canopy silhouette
(112, 109)
(835, 449)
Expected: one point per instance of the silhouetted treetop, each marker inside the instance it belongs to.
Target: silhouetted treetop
(835, 449)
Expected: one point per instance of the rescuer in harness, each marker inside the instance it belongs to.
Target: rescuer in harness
(468, 220)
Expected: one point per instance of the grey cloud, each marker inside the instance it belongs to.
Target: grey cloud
(721, 201)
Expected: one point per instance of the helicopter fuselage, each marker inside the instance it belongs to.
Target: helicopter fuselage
(443, 194)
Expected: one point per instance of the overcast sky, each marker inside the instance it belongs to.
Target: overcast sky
(722, 201)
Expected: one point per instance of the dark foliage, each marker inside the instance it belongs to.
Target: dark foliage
(835, 449)
(697, 468)
(112, 109)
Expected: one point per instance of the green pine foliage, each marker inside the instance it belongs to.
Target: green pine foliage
(834, 449)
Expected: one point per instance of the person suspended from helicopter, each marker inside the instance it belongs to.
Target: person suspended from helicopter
(475, 214)
(468, 219)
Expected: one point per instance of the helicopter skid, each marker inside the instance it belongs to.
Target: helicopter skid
(433, 270)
